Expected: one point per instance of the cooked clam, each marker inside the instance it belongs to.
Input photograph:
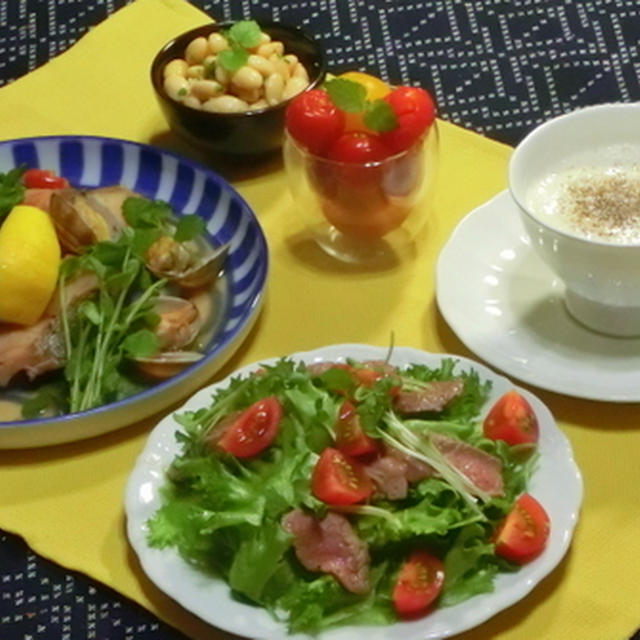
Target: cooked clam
(190, 265)
(84, 218)
(167, 364)
(179, 322)
(178, 327)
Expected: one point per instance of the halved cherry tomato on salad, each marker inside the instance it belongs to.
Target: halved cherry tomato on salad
(350, 436)
(338, 479)
(523, 534)
(314, 121)
(419, 583)
(253, 430)
(415, 111)
(512, 419)
(358, 147)
(43, 179)
(376, 89)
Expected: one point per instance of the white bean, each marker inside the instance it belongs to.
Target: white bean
(222, 75)
(191, 101)
(266, 49)
(225, 104)
(293, 87)
(196, 71)
(176, 86)
(300, 71)
(217, 42)
(273, 89)
(246, 78)
(291, 59)
(280, 65)
(177, 66)
(197, 50)
(261, 65)
(258, 104)
(205, 89)
(248, 95)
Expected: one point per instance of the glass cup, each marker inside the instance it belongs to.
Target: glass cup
(360, 213)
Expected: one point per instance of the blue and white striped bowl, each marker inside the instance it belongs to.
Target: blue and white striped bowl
(88, 162)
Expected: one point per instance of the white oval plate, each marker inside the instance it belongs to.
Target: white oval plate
(210, 598)
(508, 308)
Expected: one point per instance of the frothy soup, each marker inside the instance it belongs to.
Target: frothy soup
(590, 199)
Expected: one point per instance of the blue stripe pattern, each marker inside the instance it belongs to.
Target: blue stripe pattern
(205, 191)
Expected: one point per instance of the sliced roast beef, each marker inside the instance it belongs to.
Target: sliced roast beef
(483, 470)
(330, 545)
(416, 470)
(435, 397)
(393, 471)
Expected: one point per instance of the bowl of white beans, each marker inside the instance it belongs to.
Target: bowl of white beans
(234, 106)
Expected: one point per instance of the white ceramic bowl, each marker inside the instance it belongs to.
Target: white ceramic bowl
(190, 188)
(601, 277)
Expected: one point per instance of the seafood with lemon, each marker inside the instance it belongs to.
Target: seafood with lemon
(102, 293)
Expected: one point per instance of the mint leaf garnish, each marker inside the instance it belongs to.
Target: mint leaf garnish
(246, 33)
(347, 95)
(234, 58)
(379, 116)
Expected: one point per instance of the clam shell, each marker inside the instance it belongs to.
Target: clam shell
(202, 272)
(166, 364)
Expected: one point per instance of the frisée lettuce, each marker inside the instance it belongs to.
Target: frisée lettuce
(224, 514)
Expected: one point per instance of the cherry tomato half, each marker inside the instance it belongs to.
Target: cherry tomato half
(358, 147)
(523, 534)
(253, 430)
(414, 111)
(511, 419)
(350, 436)
(418, 585)
(43, 179)
(337, 479)
(314, 121)
(376, 89)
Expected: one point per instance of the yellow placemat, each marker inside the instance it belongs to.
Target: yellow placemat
(66, 501)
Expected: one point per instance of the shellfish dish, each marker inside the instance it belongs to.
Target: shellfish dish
(103, 293)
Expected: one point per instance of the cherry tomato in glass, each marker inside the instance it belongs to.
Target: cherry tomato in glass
(511, 419)
(418, 584)
(357, 147)
(350, 436)
(43, 179)
(314, 121)
(376, 89)
(253, 430)
(414, 111)
(338, 479)
(523, 534)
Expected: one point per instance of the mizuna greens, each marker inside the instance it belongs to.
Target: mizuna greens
(223, 514)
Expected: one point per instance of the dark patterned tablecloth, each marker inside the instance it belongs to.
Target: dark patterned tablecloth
(498, 67)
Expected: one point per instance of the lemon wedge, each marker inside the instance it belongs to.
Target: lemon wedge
(29, 263)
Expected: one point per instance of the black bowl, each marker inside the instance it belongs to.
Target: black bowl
(241, 135)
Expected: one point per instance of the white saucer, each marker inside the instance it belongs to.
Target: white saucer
(506, 306)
